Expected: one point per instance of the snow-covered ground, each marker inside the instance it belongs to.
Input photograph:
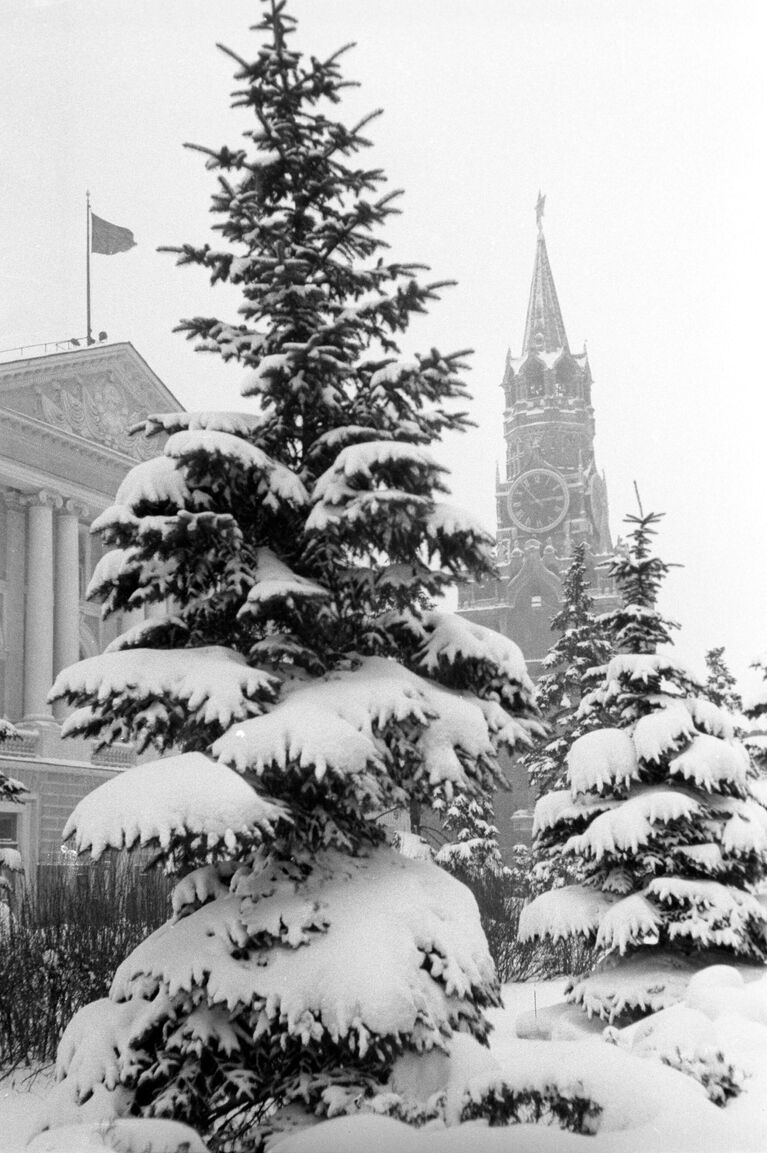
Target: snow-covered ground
(645, 1104)
(21, 1095)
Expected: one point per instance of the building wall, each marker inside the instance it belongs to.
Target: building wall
(64, 449)
(54, 791)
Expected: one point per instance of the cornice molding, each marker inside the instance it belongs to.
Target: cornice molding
(79, 444)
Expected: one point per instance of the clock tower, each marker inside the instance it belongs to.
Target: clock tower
(550, 494)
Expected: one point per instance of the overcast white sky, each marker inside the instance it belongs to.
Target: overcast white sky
(643, 121)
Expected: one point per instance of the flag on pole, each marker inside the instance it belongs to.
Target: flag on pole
(109, 238)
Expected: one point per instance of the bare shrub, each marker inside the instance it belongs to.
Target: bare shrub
(60, 946)
(501, 899)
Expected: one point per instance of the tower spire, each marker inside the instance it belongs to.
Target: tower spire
(544, 327)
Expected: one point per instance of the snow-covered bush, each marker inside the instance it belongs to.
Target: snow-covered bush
(10, 789)
(661, 814)
(716, 1013)
(299, 678)
(718, 1076)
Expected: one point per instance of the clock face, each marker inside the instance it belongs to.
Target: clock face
(538, 500)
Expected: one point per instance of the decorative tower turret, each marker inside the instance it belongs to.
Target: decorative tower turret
(550, 494)
(549, 497)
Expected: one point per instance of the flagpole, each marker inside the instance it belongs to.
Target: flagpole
(89, 338)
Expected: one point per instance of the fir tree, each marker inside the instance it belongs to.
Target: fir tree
(661, 815)
(721, 685)
(755, 709)
(300, 678)
(471, 851)
(571, 669)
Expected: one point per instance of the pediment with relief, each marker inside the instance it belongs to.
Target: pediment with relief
(98, 395)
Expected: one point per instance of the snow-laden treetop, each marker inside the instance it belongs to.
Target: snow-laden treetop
(291, 551)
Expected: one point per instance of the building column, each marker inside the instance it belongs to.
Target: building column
(38, 615)
(15, 553)
(66, 615)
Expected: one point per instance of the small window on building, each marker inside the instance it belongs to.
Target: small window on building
(536, 602)
(9, 830)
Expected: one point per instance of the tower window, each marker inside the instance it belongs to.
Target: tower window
(534, 377)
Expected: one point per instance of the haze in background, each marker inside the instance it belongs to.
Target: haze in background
(643, 122)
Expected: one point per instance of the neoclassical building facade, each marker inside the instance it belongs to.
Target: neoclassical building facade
(64, 449)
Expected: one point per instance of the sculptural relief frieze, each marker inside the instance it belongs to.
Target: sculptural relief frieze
(99, 410)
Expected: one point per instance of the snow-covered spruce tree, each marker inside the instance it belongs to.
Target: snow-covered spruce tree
(661, 814)
(754, 708)
(721, 685)
(471, 851)
(571, 670)
(299, 678)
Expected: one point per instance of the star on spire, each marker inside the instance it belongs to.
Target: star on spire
(544, 327)
(540, 205)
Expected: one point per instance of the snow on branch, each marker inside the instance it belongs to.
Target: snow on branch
(10, 859)
(309, 992)
(221, 450)
(337, 438)
(746, 830)
(632, 823)
(94, 1046)
(370, 475)
(601, 759)
(558, 807)
(148, 633)
(275, 581)
(710, 762)
(564, 912)
(110, 567)
(236, 423)
(707, 912)
(630, 921)
(213, 684)
(450, 520)
(393, 372)
(645, 982)
(663, 731)
(711, 717)
(643, 669)
(340, 723)
(153, 482)
(451, 641)
(167, 800)
(364, 462)
(305, 730)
